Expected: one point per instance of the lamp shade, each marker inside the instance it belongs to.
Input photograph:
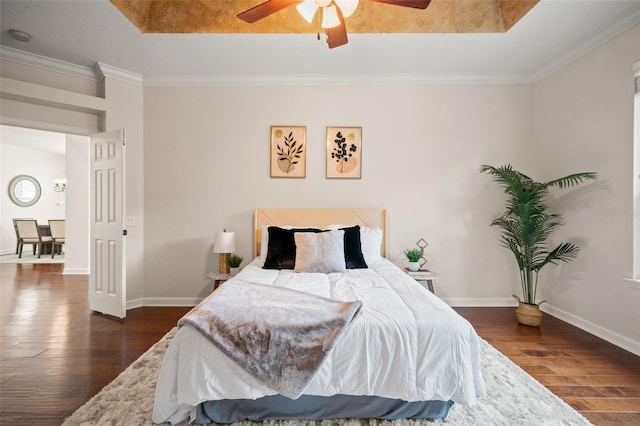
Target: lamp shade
(225, 242)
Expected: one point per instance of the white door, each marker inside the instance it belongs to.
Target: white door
(107, 283)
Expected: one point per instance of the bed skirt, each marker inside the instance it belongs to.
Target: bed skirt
(318, 408)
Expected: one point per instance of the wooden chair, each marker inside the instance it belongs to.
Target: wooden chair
(29, 233)
(57, 235)
(15, 228)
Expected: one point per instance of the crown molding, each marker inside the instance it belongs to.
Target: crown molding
(332, 80)
(101, 70)
(43, 62)
(97, 73)
(104, 70)
(602, 37)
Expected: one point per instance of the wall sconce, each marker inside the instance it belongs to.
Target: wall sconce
(60, 185)
(224, 244)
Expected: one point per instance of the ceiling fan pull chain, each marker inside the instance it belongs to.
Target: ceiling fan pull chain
(319, 23)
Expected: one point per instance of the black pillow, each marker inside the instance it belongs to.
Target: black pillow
(353, 248)
(281, 250)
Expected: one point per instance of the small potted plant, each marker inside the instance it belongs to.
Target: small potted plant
(234, 261)
(414, 256)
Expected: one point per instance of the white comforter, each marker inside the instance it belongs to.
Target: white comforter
(406, 344)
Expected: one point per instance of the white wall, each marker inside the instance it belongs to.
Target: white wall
(77, 207)
(583, 121)
(124, 111)
(207, 168)
(636, 173)
(44, 166)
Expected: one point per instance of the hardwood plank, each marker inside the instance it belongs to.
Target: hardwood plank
(56, 354)
(627, 405)
(612, 418)
(596, 391)
(586, 380)
(608, 369)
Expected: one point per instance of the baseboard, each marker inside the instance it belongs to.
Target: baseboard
(601, 332)
(162, 301)
(135, 303)
(462, 302)
(75, 271)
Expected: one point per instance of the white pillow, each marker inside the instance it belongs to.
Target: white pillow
(371, 243)
(336, 226)
(320, 252)
(264, 243)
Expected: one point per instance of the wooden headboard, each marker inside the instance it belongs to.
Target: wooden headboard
(372, 218)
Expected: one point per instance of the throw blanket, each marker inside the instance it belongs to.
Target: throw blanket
(280, 336)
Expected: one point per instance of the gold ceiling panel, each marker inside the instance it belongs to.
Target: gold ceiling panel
(219, 16)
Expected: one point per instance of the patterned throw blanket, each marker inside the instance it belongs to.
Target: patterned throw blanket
(278, 335)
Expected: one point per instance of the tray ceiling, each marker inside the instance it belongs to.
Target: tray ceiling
(215, 16)
(551, 34)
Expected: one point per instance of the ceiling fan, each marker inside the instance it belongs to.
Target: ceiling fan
(331, 13)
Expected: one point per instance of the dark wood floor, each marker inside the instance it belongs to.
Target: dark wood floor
(596, 378)
(56, 354)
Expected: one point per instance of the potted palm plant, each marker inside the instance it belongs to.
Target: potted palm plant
(526, 226)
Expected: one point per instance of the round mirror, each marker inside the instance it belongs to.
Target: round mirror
(24, 190)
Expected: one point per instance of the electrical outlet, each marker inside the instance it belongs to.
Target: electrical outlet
(131, 221)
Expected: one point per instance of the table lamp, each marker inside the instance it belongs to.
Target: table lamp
(224, 244)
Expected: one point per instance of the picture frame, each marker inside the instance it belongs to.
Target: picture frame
(344, 152)
(288, 152)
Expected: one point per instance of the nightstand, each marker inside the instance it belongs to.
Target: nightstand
(218, 278)
(424, 275)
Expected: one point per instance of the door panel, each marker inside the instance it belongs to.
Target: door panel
(107, 291)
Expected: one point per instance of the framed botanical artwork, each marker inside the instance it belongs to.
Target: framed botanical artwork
(344, 152)
(288, 152)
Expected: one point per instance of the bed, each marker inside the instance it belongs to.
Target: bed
(396, 350)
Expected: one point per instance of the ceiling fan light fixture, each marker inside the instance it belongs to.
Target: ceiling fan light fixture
(322, 3)
(330, 17)
(347, 7)
(307, 9)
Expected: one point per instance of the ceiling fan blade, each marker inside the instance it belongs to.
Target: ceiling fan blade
(416, 4)
(337, 36)
(265, 9)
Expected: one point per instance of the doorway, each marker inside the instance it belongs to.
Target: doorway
(59, 156)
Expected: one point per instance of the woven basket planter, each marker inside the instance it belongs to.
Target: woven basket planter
(529, 314)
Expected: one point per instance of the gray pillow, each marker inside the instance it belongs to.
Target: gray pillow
(321, 252)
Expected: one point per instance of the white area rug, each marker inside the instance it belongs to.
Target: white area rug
(513, 399)
(31, 258)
